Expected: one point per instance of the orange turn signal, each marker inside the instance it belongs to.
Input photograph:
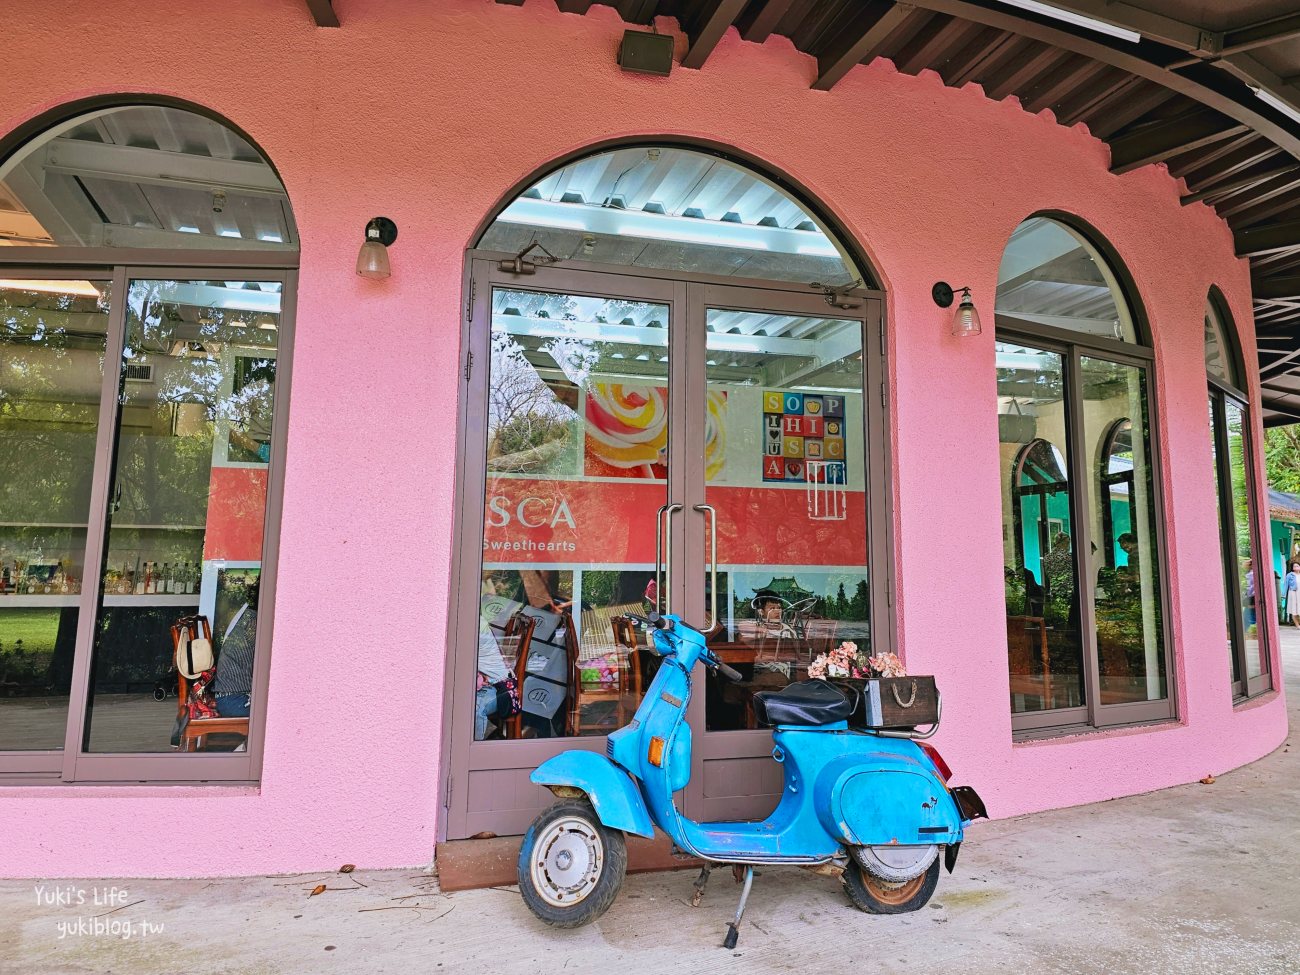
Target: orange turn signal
(656, 755)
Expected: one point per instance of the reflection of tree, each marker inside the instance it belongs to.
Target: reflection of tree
(52, 345)
(529, 429)
(167, 433)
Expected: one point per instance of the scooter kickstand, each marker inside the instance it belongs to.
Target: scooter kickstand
(733, 928)
(700, 881)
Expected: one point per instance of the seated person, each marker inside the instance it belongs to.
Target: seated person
(492, 671)
(233, 685)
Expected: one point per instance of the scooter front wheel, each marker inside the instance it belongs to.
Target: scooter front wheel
(571, 865)
(876, 896)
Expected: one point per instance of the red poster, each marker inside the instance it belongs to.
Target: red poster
(613, 523)
(236, 513)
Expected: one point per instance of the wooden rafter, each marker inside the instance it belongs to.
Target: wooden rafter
(1261, 35)
(322, 11)
(1269, 240)
(763, 22)
(706, 28)
(860, 42)
(1266, 288)
(1163, 140)
(1218, 191)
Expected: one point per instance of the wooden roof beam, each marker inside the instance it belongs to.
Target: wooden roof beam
(1023, 70)
(1275, 289)
(1285, 363)
(1237, 185)
(760, 26)
(860, 41)
(1071, 78)
(1264, 204)
(1127, 57)
(1162, 140)
(322, 11)
(1269, 240)
(1261, 35)
(706, 27)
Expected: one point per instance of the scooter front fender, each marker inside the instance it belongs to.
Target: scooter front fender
(612, 792)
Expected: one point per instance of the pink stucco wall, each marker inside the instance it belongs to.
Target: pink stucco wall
(429, 112)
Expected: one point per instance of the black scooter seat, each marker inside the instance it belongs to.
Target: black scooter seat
(809, 703)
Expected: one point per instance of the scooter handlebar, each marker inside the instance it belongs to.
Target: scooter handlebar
(729, 672)
(653, 620)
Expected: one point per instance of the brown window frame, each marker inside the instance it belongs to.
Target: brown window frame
(1221, 394)
(72, 765)
(1083, 477)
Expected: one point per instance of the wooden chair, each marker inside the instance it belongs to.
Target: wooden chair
(519, 628)
(820, 635)
(629, 676)
(194, 731)
(1023, 632)
(627, 637)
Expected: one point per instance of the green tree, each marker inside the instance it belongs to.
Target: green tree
(860, 604)
(1282, 458)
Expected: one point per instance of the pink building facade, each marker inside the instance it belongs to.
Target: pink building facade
(439, 115)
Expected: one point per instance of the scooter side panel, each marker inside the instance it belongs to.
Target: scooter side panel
(886, 806)
(612, 792)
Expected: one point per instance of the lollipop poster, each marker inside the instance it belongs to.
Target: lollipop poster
(627, 432)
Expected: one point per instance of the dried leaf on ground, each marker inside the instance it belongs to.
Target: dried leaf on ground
(347, 868)
(318, 889)
(1208, 780)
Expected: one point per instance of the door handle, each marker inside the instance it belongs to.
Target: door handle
(664, 555)
(713, 561)
(117, 498)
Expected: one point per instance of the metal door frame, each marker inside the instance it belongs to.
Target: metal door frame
(757, 743)
(687, 295)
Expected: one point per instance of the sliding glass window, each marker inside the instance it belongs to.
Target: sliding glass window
(141, 444)
(1082, 554)
(1247, 583)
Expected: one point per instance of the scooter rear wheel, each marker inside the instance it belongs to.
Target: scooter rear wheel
(876, 896)
(571, 865)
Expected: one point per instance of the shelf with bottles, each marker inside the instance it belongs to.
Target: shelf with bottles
(41, 560)
(130, 577)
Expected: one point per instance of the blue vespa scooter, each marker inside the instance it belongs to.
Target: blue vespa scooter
(871, 807)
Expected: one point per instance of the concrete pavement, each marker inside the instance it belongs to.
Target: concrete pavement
(1197, 879)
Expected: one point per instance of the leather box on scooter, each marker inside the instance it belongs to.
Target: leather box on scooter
(871, 808)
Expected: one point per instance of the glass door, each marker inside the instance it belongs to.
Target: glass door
(779, 513)
(186, 511)
(638, 443)
(573, 461)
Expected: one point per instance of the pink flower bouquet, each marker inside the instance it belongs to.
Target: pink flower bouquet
(846, 661)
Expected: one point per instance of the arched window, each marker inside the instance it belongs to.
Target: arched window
(1247, 575)
(141, 440)
(672, 416)
(1072, 359)
(1116, 488)
(1042, 516)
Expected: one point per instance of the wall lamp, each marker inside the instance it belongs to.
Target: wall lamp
(372, 261)
(966, 320)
